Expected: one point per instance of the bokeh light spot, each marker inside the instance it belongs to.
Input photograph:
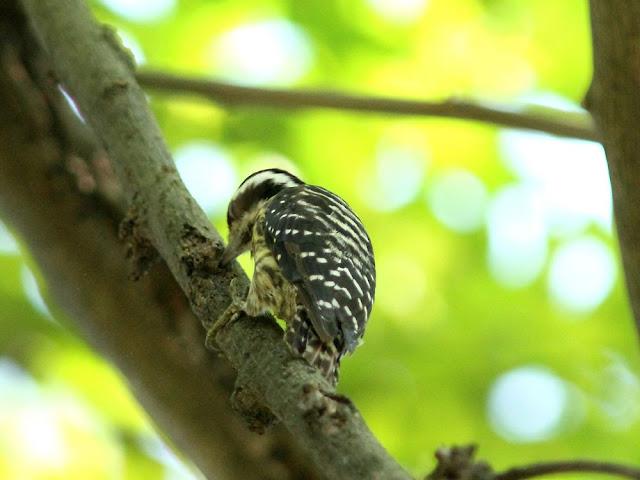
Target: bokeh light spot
(527, 404)
(208, 173)
(570, 176)
(175, 468)
(517, 236)
(618, 394)
(8, 244)
(140, 10)
(397, 179)
(46, 434)
(269, 52)
(15, 384)
(582, 274)
(399, 11)
(32, 292)
(458, 199)
(40, 437)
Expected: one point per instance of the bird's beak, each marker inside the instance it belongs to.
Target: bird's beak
(230, 252)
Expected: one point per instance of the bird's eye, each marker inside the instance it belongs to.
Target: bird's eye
(246, 236)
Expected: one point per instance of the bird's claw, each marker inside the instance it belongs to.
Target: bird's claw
(233, 312)
(230, 315)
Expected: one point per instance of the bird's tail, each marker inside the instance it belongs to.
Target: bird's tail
(305, 342)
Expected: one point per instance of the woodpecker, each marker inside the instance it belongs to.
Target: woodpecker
(314, 265)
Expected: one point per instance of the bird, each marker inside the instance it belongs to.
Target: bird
(314, 266)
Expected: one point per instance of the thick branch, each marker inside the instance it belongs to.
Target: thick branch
(614, 100)
(145, 328)
(90, 64)
(296, 99)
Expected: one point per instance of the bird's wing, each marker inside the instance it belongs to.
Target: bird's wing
(322, 248)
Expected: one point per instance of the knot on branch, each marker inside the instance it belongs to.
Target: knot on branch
(112, 39)
(255, 414)
(114, 88)
(200, 253)
(458, 463)
(139, 249)
(325, 409)
(208, 284)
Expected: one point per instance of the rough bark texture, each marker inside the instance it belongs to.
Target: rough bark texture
(614, 101)
(145, 328)
(94, 69)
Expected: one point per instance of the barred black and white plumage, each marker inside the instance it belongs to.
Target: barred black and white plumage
(314, 264)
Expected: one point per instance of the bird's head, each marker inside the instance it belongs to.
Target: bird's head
(246, 203)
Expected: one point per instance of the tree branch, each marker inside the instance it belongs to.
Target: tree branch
(614, 101)
(549, 122)
(459, 463)
(146, 328)
(89, 62)
(569, 466)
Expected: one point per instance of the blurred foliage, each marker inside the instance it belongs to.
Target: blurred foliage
(501, 316)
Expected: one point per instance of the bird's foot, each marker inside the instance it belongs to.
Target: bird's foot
(233, 312)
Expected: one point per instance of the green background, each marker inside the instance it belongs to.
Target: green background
(500, 316)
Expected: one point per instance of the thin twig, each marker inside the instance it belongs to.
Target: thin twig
(540, 469)
(297, 99)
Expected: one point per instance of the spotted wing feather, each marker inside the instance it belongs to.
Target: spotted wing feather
(322, 248)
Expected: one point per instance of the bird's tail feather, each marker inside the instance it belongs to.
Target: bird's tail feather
(305, 342)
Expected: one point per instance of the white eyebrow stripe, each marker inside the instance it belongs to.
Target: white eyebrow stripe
(276, 177)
